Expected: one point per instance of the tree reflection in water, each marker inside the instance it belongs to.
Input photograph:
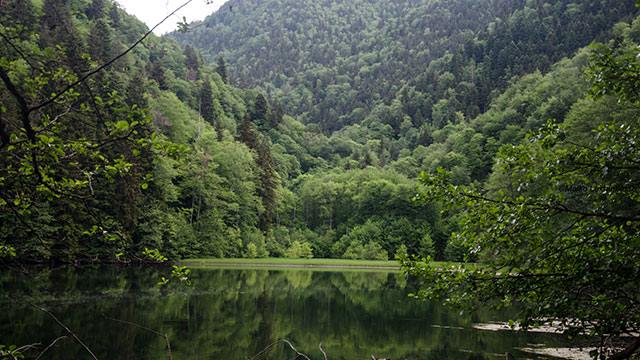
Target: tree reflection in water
(234, 314)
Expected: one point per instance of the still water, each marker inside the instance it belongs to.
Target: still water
(234, 314)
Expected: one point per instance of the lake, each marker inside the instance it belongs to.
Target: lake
(235, 314)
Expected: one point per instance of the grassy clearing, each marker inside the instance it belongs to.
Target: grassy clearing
(297, 263)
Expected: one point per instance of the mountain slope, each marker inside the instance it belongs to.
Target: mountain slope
(333, 62)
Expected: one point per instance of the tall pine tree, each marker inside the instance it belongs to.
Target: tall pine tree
(57, 29)
(192, 62)
(221, 69)
(96, 10)
(207, 111)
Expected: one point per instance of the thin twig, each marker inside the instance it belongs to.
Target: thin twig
(324, 354)
(294, 349)
(68, 330)
(27, 347)
(49, 347)
(298, 354)
(166, 338)
(265, 349)
(55, 120)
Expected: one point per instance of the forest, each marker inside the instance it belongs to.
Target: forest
(165, 151)
(500, 132)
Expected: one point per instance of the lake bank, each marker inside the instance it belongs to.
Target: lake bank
(332, 264)
(314, 264)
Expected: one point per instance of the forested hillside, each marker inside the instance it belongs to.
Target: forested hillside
(143, 156)
(162, 154)
(157, 155)
(409, 86)
(336, 63)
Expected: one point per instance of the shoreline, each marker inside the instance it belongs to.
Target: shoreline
(288, 266)
(281, 263)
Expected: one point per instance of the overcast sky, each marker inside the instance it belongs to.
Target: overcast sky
(153, 11)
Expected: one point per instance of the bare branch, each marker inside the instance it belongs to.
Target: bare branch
(166, 338)
(324, 354)
(27, 347)
(298, 354)
(22, 104)
(67, 329)
(558, 207)
(294, 349)
(55, 120)
(49, 347)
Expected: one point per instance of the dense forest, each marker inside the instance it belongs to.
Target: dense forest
(158, 155)
(163, 152)
(339, 63)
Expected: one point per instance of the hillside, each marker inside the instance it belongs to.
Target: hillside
(336, 63)
(162, 153)
(158, 156)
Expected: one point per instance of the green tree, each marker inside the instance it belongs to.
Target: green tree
(206, 103)
(299, 250)
(96, 10)
(58, 29)
(21, 13)
(192, 62)
(100, 41)
(221, 69)
(269, 182)
(260, 113)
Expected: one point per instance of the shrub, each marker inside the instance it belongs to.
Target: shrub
(299, 250)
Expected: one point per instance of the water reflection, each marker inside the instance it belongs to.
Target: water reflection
(234, 314)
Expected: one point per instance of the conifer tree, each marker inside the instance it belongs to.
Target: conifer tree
(206, 103)
(192, 62)
(96, 10)
(101, 46)
(19, 12)
(260, 112)
(247, 133)
(221, 69)
(135, 91)
(57, 29)
(114, 16)
(268, 184)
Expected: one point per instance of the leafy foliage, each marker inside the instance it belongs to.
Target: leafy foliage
(556, 225)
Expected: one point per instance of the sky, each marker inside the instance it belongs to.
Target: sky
(153, 11)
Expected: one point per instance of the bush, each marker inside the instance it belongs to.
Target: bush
(252, 251)
(369, 251)
(299, 250)
(256, 246)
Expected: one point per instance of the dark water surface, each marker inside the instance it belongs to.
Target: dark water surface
(234, 314)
